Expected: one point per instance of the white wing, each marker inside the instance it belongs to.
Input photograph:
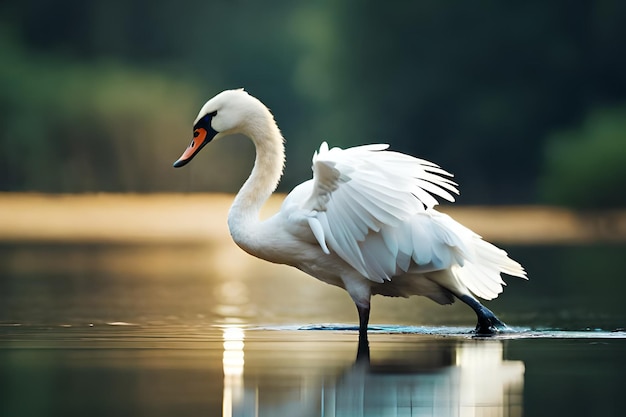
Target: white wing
(367, 189)
(477, 264)
(432, 241)
(374, 208)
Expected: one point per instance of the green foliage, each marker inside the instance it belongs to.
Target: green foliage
(67, 127)
(586, 167)
(472, 86)
(475, 87)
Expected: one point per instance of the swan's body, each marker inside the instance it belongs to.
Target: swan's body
(366, 221)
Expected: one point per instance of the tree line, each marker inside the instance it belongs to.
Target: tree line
(523, 102)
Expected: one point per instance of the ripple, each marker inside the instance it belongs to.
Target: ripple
(464, 332)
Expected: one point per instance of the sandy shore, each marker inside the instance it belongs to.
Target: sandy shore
(201, 218)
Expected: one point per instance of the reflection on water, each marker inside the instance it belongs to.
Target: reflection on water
(233, 370)
(460, 378)
(208, 330)
(487, 382)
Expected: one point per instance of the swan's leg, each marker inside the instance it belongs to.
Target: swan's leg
(360, 291)
(363, 351)
(488, 323)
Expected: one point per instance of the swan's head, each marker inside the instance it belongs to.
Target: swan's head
(229, 112)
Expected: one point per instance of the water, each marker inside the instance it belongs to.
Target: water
(207, 330)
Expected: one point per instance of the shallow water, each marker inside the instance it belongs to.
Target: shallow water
(193, 330)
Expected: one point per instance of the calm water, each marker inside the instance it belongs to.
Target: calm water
(190, 330)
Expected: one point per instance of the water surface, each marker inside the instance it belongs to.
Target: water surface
(206, 330)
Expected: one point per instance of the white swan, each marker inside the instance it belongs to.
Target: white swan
(365, 222)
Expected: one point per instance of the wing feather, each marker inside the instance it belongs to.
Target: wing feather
(318, 232)
(364, 189)
(374, 208)
(478, 263)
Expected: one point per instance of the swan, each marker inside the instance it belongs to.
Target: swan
(365, 222)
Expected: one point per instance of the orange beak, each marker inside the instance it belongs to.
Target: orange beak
(200, 139)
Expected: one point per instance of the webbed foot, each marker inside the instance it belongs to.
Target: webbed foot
(488, 324)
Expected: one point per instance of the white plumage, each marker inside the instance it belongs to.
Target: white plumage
(366, 222)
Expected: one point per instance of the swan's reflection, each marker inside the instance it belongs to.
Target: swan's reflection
(438, 378)
(233, 362)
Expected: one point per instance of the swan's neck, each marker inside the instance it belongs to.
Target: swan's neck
(243, 217)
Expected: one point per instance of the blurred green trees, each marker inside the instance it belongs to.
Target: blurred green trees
(68, 126)
(100, 95)
(586, 166)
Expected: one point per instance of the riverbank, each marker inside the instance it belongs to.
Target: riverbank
(201, 218)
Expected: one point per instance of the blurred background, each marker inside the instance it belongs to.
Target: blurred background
(120, 298)
(524, 102)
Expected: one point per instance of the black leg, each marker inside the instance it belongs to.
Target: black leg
(488, 323)
(363, 352)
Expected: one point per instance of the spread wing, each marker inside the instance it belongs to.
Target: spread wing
(366, 189)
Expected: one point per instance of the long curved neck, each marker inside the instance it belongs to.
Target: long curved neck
(243, 216)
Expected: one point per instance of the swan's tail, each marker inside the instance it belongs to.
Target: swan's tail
(481, 270)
